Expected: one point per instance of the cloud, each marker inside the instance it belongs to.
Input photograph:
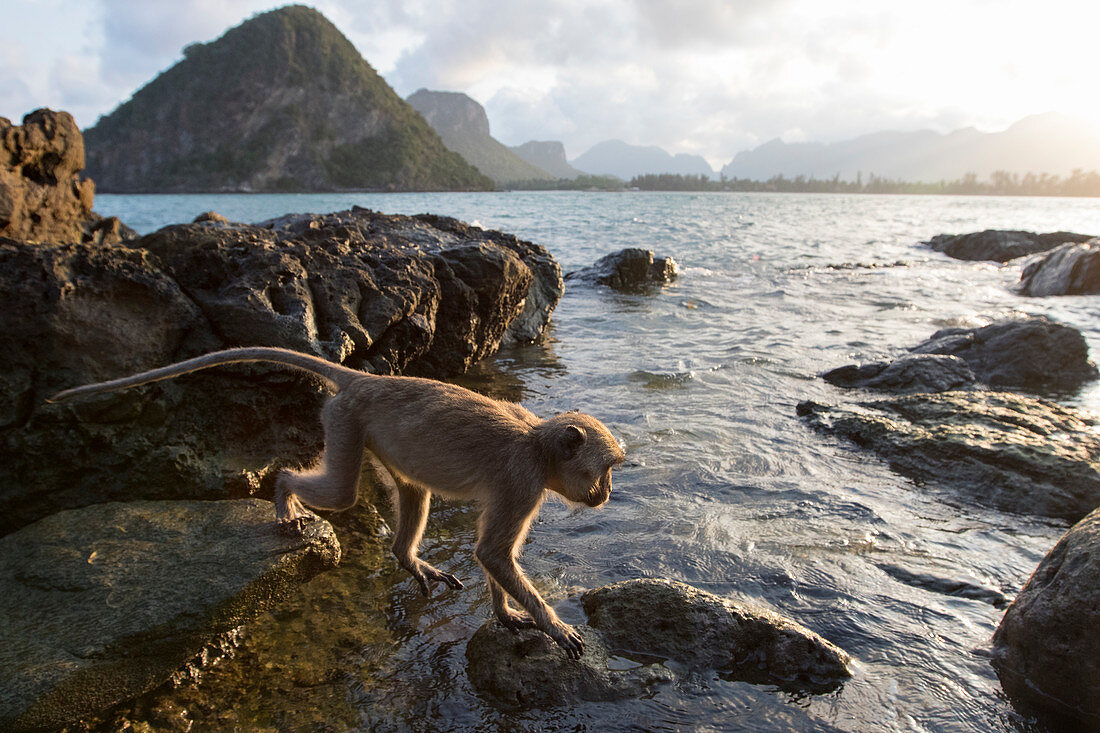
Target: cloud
(698, 76)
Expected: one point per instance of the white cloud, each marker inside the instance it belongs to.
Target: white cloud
(699, 76)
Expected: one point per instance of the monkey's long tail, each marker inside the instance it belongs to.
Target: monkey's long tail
(338, 375)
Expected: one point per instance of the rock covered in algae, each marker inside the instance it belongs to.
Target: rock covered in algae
(1005, 450)
(105, 602)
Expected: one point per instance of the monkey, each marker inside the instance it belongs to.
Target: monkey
(434, 438)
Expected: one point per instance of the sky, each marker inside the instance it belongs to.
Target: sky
(704, 77)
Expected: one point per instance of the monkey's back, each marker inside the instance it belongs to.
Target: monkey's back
(447, 438)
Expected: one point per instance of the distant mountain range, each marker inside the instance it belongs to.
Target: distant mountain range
(620, 159)
(464, 127)
(282, 102)
(1048, 143)
(548, 155)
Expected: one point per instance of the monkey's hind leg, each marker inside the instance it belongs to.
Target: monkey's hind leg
(508, 616)
(334, 483)
(412, 516)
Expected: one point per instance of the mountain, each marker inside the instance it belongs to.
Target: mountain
(282, 102)
(1048, 143)
(548, 155)
(464, 127)
(616, 158)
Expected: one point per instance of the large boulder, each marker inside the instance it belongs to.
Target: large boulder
(1000, 245)
(103, 603)
(1030, 352)
(526, 669)
(1047, 648)
(629, 270)
(741, 641)
(1072, 269)
(910, 373)
(1005, 450)
(42, 197)
(388, 294)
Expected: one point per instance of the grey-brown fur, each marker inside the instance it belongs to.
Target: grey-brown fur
(434, 437)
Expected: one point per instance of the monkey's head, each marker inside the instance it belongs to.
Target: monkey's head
(581, 452)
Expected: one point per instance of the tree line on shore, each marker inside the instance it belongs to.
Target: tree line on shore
(1000, 183)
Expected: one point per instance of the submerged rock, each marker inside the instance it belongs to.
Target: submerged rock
(1047, 648)
(1000, 449)
(1072, 269)
(42, 197)
(999, 245)
(526, 669)
(629, 269)
(1030, 352)
(103, 603)
(938, 580)
(910, 373)
(742, 641)
(389, 294)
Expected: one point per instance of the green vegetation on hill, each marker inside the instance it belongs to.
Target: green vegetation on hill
(282, 102)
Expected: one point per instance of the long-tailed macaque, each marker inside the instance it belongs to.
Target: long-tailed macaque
(436, 438)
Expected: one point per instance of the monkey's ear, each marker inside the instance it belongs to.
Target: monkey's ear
(571, 441)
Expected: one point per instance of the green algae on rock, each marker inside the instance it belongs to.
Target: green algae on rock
(1004, 450)
(105, 602)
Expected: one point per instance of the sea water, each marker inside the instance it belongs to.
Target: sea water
(725, 488)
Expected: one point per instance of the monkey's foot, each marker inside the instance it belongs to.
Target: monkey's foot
(515, 621)
(567, 639)
(423, 572)
(295, 527)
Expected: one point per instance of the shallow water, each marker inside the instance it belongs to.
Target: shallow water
(724, 487)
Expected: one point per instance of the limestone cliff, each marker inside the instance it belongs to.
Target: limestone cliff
(282, 102)
(464, 127)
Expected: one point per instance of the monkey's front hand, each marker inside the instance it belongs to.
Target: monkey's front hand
(567, 639)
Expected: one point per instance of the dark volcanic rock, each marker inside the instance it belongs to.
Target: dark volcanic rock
(911, 373)
(999, 245)
(42, 198)
(389, 294)
(629, 269)
(1004, 450)
(1032, 353)
(526, 669)
(1072, 269)
(1047, 648)
(701, 630)
(103, 603)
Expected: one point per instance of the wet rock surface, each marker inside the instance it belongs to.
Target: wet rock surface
(526, 669)
(393, 294)
(909, 373)
(634, 624)
(42, 197)
(698, 629)
(628, 270)
(105, 602)
(1072, 269)
(1031, 352)
(1004, 450)
(1047, 647)
(1000, 245)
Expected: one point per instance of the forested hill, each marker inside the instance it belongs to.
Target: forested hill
(282, 102)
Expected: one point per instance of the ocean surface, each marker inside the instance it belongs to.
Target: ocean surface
(724, 487)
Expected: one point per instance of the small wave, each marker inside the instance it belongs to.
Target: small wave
(661, 380)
